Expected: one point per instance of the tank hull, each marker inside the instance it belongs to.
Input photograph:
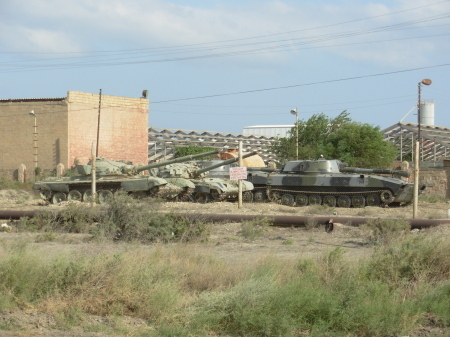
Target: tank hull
(219, 189)
(364, 189)
(79, 188)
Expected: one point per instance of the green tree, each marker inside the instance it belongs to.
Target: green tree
(190, 150)
(355, 143)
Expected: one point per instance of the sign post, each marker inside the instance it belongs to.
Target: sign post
(238, 173)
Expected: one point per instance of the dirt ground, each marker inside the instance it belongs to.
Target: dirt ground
(226, 242)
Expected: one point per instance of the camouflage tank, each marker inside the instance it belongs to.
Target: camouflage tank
(330, 182)
(206, 188)
(258, 176)
(112, 176)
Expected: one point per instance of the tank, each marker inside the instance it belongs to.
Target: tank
(112, 176)
(255, 175)
(258, 177)
(206, 188)
(330, 182)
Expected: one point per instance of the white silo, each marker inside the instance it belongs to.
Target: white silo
(427, 112)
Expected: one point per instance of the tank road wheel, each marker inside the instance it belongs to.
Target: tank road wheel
(315, 199)
(186, 195)
(344, 201)
(373, 200)
(260, 196)
(105, 196)
(358, 201)
(87, 196)
(329, 200)
(152, 192)
(143, 194)
(247, 196)
(74, 195)
(215, 195)
(386, 197)
(202, 197)
(287, 200)
(45, 194)
(301, 200)
(274, 197)
(58, 197)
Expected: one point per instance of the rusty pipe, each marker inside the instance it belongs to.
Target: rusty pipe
(290, 220)
(280, 220)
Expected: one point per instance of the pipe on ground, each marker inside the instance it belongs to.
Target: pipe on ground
(280, 220)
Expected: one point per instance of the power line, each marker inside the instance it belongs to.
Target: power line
(245, 38)
(301, 85)
(288, 106)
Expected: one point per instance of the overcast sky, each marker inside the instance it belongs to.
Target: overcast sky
(222, 65)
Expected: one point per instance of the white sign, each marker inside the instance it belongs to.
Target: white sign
(237, 173)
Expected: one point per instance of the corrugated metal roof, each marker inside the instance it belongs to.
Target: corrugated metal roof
(269, 126)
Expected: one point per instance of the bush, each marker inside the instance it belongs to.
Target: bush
(130, 220)
(254, 228)
(124, 218)
(386, 231)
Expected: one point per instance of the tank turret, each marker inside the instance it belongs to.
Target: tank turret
(206, 189)
(176, 160)
(222, 163)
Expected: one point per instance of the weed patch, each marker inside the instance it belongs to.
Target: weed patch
(254, 229)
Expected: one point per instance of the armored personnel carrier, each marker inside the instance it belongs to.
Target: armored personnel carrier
(207, 188)
(112, 176)
(330, 182)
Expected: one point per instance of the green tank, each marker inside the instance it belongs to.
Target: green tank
(256, 175)
(112, 176)
(206, 188)
(330, 182)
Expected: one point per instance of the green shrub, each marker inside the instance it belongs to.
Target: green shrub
(288, 242)
(253, 229)
(7, 184)
(418, 258)
(385, 231)
(127, 219)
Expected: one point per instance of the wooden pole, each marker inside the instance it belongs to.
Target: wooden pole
(240, 180)
(93, 176)
(98, 123)
(416, 180)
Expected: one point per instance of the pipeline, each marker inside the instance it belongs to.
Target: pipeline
(291, 220)
(278, 220)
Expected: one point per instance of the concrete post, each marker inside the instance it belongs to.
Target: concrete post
(59, 170)
(22, 173)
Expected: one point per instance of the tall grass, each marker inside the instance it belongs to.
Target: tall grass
(123, 219)
(6, 183)
(181, 290)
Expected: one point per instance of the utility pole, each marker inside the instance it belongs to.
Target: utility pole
(98, 123)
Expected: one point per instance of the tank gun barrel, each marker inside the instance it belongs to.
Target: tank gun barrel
(225, 162)
(401, 173)
(176, 160)
(262, 169)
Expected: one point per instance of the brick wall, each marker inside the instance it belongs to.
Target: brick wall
(17, 128)
(123, 127)
(67, 127)
(435, 180)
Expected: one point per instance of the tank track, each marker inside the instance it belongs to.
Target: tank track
(384, 201)
(186, 194)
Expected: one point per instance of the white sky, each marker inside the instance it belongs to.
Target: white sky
(319, 56)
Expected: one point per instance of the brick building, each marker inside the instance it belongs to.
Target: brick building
(67, 127)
